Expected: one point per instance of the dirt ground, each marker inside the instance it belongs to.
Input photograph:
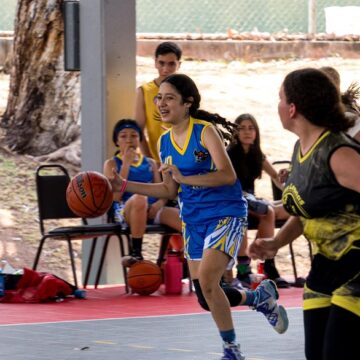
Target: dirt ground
(226, 88)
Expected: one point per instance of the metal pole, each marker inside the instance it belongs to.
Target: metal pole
(312, 17)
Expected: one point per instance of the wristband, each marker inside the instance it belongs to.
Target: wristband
(123, 185)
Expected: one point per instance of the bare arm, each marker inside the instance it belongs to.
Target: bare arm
(157, 205)
(140, 117)
(224, 174)
(109, 165)
(262, 248)
(357, 136)
(345, 163)
(270, 170)
(166, 189)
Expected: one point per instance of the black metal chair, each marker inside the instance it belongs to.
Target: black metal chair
(277, 195)
(51, 184)
(158, 229)
(150, 229)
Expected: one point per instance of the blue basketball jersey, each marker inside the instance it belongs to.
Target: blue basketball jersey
(200, 204)
(142, 171)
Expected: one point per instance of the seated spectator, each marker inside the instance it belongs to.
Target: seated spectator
(133, 209)
(249, 161)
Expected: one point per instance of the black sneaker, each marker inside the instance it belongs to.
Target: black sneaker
(272, 273)
(131, 259)
(245, 280)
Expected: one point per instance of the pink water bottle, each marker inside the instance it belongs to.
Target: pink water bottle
(173, 273)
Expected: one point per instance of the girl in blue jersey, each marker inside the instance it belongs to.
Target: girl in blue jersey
(197, 170)
(322, 193)
(136, 210)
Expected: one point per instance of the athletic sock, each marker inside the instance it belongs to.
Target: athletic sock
(251, 297)
(243, 265)
(228, 336)
(136, 246)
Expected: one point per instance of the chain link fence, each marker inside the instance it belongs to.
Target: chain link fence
(214, 16)
(7, 14)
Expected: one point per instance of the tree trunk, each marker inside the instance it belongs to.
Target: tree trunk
(43, 110)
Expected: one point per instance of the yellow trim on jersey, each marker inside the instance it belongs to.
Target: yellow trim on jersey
(206, 125)
(311, 304)
(304, 157)
(350, 303)
(158, 144)
(154, 126)
(315, 300)
(135, 164)
(187, 140)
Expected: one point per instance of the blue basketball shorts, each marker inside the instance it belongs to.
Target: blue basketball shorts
(224, 234)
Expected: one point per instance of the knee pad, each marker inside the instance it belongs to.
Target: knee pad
(200, 296)
(233, 295)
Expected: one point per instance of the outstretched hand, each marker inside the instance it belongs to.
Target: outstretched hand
(116, 181)
(262, 248)
(173, 171)
(283, 175)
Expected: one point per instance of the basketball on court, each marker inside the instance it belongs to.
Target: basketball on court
(89, 194)
(144, 277)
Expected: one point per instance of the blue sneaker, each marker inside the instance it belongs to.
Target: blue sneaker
(232, 352)
(276, 315)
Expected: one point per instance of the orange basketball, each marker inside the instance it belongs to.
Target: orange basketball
(144, 277)
(89, 194)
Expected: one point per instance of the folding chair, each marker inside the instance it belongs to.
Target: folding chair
(51, 184)
(277, 195)
(150, 229)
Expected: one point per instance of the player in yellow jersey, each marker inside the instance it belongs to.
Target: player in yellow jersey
(167, 62)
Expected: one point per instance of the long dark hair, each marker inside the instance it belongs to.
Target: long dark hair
(317, 98)
(255, 155)
(189, 92)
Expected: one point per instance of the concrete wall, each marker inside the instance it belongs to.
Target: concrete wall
(238, 50)
(256, 50)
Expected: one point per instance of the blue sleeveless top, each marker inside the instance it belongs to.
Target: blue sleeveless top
(200, 204)
(142, 171)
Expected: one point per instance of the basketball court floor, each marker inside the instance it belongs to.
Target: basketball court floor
(111, 325)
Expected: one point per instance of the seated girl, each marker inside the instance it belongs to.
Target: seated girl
(133, 209)
(249, 162)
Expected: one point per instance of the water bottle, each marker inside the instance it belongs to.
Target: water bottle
(257, 278)
(260, 267)
(173, 273)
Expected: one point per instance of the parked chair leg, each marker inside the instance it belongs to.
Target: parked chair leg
(122, 253)
(106, 243)
(38, 253)
(165, 239)
(90, 261)
(72, 261)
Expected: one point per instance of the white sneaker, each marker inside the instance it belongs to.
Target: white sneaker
(266, 303)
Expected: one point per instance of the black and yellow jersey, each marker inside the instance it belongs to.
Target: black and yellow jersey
(311, 190)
